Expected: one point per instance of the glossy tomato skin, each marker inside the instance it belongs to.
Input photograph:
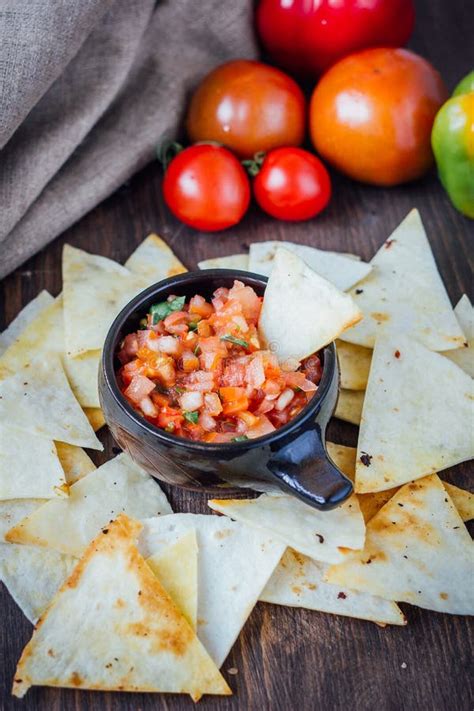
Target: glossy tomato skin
(371, 115)
(292, 184)
(248, 107)
(206, 187)
(308, 37)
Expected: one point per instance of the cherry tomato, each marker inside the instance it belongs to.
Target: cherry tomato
(308, 37)
(206, 187)
(292, 184)
(371, 115)
(248, 107)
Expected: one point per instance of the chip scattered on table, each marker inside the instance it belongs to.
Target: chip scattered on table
(464, 356)
(39, 388)
(354, 365)
(405, 292)
(153, 261)
(318, 534)
(416, 415)
(234, 563)
(341, 270)
(133, 639)
(233, 261)
(349, 406)
(298, 582)
(23, 319)
(117, 486)
(417, 550)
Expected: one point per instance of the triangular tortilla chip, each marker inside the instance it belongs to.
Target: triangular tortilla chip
(233, 261)
(317, 534)
(462, 499)
(176, 567)
(112, 626)
(405, 292)
(345, 458)
(29, 466)
(75, 462)
(153, 261)
(95, 416)
(349, 406)
(95, 289)
(417, 550)
(43, 335)
(234, 564)
(83, 373)
(32, 575)
(23, 319)
(354, 365)
(417, 415)
(302, 312)
(339, 269)
(298, 582)
(117, 486)
(38, 400)
(464, 357)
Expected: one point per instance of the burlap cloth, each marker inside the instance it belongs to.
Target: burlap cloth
(87, 88)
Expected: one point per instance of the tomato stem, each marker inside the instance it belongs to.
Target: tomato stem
(253, 165)
(166, 151)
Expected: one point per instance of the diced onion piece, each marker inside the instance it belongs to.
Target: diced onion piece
(285, 398)
(213, 404)
(191, 401)
(166, 344)
(199, 380)
(147, 407)
(263, 427)
(139, 388)
(207, 422)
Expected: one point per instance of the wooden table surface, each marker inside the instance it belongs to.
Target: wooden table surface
(290, 658)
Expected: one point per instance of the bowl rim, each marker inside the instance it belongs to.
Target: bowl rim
(110, 379)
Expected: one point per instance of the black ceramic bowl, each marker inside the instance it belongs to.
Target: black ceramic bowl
(293, 458)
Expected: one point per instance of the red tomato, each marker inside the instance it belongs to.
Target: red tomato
(206, 187)
(308, 37)
(248, 107)
(292, 184)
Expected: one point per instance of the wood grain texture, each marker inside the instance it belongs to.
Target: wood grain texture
(287, 658)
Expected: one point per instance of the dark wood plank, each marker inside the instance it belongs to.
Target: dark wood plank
(285, 658)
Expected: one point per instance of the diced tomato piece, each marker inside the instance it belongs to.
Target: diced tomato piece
(313, 369)
(297, 379)
(189, 361)
(129, 348)
(169, 416)
(263, 427)
(235, 400)
(249, 419)
(213, 404)
(204, 329)
(255, 372)
(198, 305)
(177, 322)
(199, 380)
(251, 303)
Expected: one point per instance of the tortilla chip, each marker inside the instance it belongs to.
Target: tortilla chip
(317, 534)
(342, 271)
(349, 406)
(95, 416)
(464, 357)
(298, 582)
(302, 312)
(233, 261)
(29, 466)
(42, 336)
(419, 552)
(153, 261)
(405, 293)
(354, 365)
(83, 373)
(75, 462)
(462, 499)
(415, 418)
(39, 389)
(23, 319)
(95, 289)
(234, 564)
(132, 638)
(32, 575)
(117, 486)
(343, 457)
(176, 567)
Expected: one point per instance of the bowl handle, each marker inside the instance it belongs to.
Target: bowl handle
(305, 470)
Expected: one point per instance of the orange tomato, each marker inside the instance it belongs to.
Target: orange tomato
(371, 115)
(248, 107)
